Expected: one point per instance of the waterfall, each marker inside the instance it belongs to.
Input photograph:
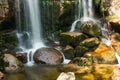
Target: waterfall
(29, 26)
(85, 10)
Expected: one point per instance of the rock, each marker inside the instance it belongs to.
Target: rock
(1, 75)
(113, 11)
(68, 52)
(22, 57)
(116, 74)
(103, 71)
(71, 38)
(90, 42)
(12, 64)
(91, 28)
(94, 72)
(115, 41)
(104, 54)
(66, 76)
(81, 61)
(80, 51)
(48, 56)
(74, 68)
(114, 8)
(115, 25)
(7, 13)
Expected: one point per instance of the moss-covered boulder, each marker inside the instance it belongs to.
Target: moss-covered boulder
(69, 52)
(91, 28)
(90, 42)
(104, 54)
(81, 61)
(80, 51)
(71, 38)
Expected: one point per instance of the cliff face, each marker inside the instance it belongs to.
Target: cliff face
(6, 13)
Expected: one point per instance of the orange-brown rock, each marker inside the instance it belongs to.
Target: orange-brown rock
(104, 54)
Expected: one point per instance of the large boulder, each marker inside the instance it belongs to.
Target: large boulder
(112, 8)
(71, 38)
(86, 45)
(91, 28)
(12, 64)
(104, 54)
(48, 56)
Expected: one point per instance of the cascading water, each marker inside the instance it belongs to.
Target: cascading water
(84, 13)
(29, 34)
(106, 33)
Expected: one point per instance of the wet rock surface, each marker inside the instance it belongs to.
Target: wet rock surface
(12, 64)
(48, 56)
(71, 38)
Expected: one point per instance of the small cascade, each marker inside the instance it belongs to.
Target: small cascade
(29, 27)
(84, 12)
(106, 39)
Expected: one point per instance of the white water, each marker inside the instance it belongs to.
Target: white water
(29, 35)
(85, 11)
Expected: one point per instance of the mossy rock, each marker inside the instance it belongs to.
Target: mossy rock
(90, 42)
(69, 52)
(115, 41)
(104, 54)
(71, 38)
(80, 51)
(91, 28)
(103, 71)
(81, 61)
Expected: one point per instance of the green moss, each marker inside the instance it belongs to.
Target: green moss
(90, 28)
(81, 50)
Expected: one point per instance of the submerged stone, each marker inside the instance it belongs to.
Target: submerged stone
(71, 38)
(48, 56)
(91, 28)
